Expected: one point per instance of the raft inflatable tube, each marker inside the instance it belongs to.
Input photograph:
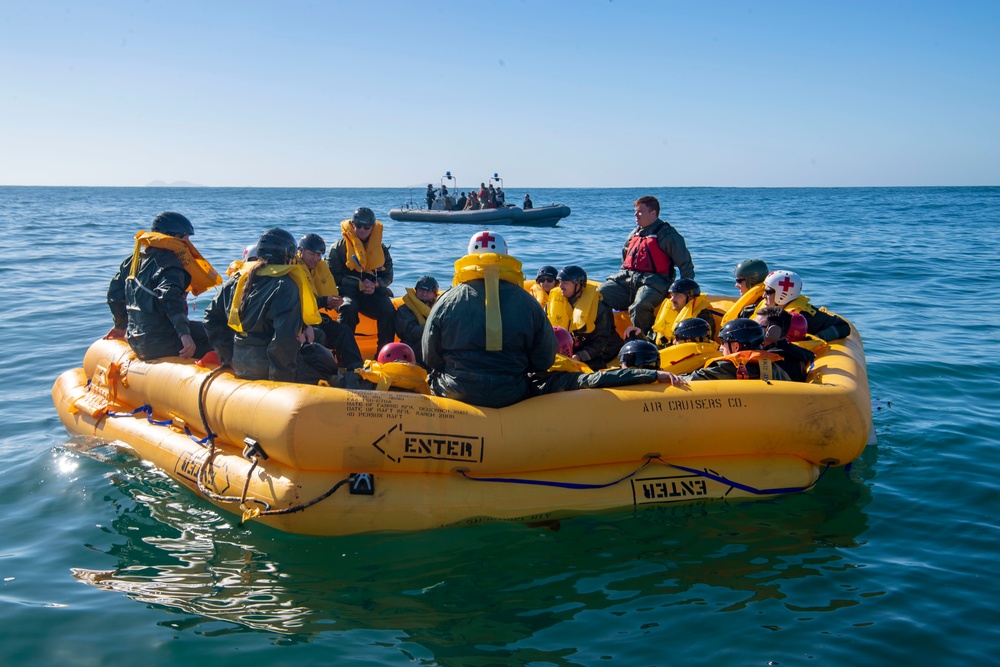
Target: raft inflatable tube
(325, 461)
(543, 216)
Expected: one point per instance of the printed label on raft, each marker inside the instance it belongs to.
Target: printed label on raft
(380, 404)
(443, 447)
(668, 489)
(189, 465)
(680, 404)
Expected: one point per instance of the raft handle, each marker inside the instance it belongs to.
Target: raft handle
(253, 449)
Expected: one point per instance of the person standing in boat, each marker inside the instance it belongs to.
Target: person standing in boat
(749, 275)
(485, 334)
(412, 313)
(336, 336)
(362, 268)
(528, 204)
(577, 305)
(653, 253)
(784, 288)
(501, 197)
(261, 321)
(148, 294)
(429, 196)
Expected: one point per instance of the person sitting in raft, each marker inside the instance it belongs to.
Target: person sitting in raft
(412, 313)
(685, 301)
(395, 369)
(691, 346)
(528, 204)
(749, 275)
(545, 280)
(652, 254)
(461, 202)
(337, 337)
(795, 360)
(362, 267)
(576, 305)
(148, 294)
(784, 288)
(270, 306)
(639, 360)
(486, 333)
(743, 358)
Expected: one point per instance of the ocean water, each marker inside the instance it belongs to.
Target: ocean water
(105, 560)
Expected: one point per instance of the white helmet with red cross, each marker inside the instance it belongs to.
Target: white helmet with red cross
(487, 241)
(787, 286)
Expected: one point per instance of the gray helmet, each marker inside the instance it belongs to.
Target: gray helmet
(546, 271)
(746, 332)
(276, 246)
(639, 353)
(366, 217)
(313, 242)
(428, 283)
(573, 274)
(693, 329)
(173, 224)
(685, 286)
(753, 271)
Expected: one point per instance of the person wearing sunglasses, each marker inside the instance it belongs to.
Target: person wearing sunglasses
(362, 267)
(784, 288)
(653, 254)
(741, 344)
(545, 280)
(749, 276)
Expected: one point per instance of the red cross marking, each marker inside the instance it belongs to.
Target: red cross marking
(786, 284)
(485, 239)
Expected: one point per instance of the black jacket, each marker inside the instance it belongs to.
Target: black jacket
(349, 281)
(550, 383)
(409, 330)
(723, 369)
(603, 343)
(795, 360)
(152, 309)
(454, 345)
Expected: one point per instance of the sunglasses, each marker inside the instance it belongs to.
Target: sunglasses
(740, 281)
(359, 225)
(769, 292)
(545, 279)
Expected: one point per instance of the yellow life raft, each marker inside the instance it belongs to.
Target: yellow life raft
(327, 461)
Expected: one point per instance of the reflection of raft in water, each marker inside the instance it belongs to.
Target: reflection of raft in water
(330, 461)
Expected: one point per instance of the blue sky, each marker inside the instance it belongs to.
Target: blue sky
(549, 93)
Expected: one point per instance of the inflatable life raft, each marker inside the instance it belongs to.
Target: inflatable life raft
(325, 461)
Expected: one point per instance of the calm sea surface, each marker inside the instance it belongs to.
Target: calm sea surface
(104, 560)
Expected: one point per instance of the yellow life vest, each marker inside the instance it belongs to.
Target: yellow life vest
(297, 272)
(576, 317)
(203, 276)
(687, 357)
(491, 268)
(564, 364)
(800, 305)
(752, 295)
(541, 296)
(419, 308)
(361, 256)
(322, 280)
(667, 317)
(396, 374)
(234, 267)
(814, 344)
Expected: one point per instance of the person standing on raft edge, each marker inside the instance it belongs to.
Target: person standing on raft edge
(484, 335)
(148, 295)
(652, 253)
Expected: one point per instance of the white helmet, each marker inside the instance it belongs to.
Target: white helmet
(487, 242)
(787, 286)
(250, 252)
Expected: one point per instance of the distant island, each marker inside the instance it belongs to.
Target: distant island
(175, 184)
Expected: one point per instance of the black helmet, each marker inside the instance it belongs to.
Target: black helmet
(276, 246)
(746, 332)
(685, 286)
(573, 274)
(753, 271)
(313, 242)
(427, 283)
(173, 224)
(639, 354)
(365, 216)
(546, 271)
(693, 329)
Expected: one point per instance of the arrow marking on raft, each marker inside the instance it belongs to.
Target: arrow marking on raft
(433, 446)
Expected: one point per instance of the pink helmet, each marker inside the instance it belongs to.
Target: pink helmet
(565, 340)
(798, 328)
(396, 352)
(487, 241)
